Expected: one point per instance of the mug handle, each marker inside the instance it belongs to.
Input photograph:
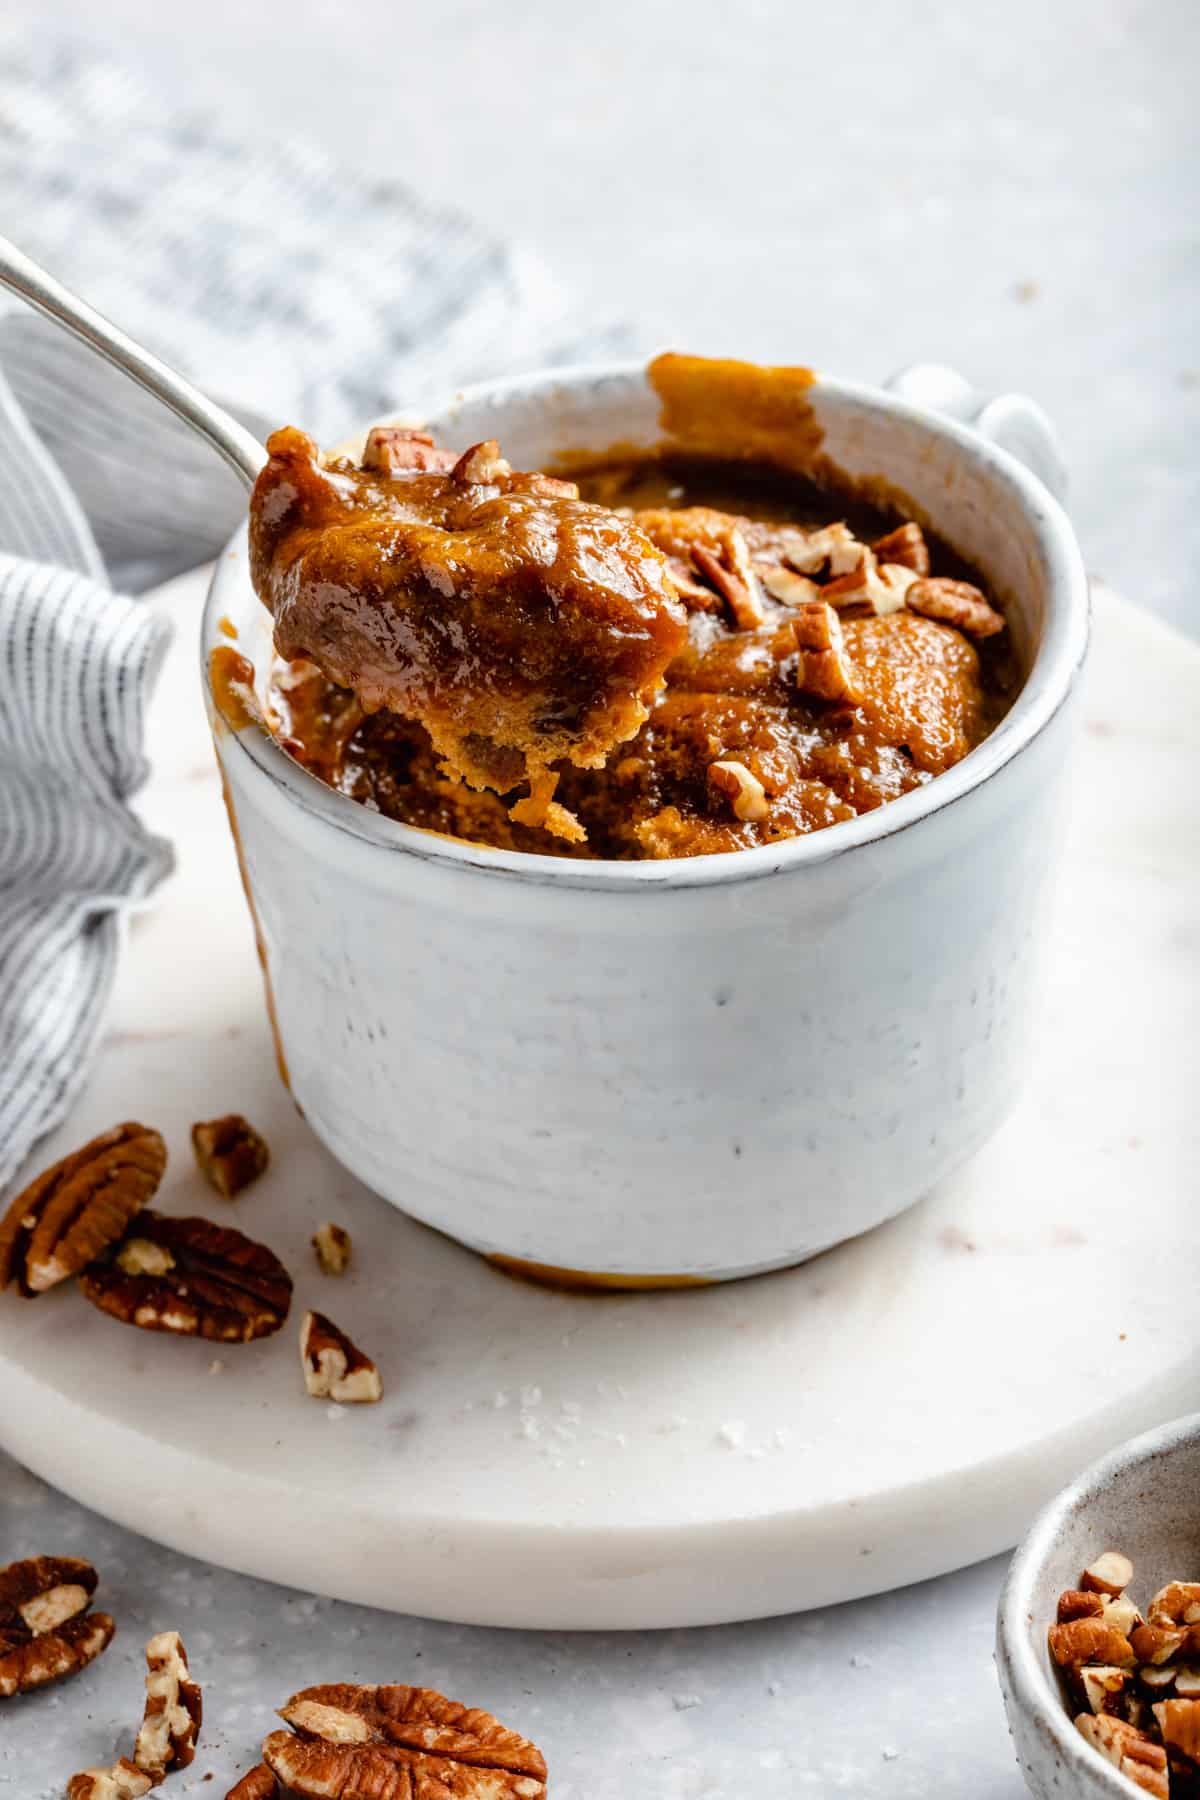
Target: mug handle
(1013, 421)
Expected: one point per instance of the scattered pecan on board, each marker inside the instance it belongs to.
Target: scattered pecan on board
(192, 1277)
(399, 1743)
(174, 1709)
(333, 1246)
(46, 1630)
(230, 1153)
(334, 1367)
(124, 1781)
(73, 1211)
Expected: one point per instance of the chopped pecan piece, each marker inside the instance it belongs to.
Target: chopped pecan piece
(785, 585)
(1158, 1644)
(391, 449)
(124, 1781)
(1111, 1574)
(695, 596)
(955, 603)
(1176, 1604)
(1179, 1723)
(732, 574)
(1120, 1612)
(334, 1368)
(553, 485)
(220, 1285)
(1187, 1681)
(1074, 1603)
(1131, 1751)
(257, 1784)
(734, 782)
(73, 1211)
(822, 667)
(1105, 1689)
(174, 1709)
(315, 1770)
(881, 586)
(482, 465)
(905, 545)
(1082, 1641)
(54, 1655)
(333, 1247)
(399, 1743)
(835, 545)
(230, 1153)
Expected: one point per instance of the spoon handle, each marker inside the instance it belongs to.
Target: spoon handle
(241, 450)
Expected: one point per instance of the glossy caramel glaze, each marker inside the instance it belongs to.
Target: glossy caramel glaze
(520, 625)
(925, 694)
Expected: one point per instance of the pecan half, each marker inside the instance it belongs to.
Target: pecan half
(230, 1153)
(391, 449)
(334, 1248)
(954, 603)
(73, 1211)
(174, 1709)
(481, 465)
(124, 1781)
(822, 667)
(334, 1368)
(1131, 1751)
(48, 1656)
(218, 1285)
(256, 1784)
(744, 792)
(44, 1635)
(399, 1743)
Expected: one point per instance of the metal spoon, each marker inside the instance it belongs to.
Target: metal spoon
(241, 450)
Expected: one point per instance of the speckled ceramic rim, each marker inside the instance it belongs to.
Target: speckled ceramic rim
(1029, 1682)
(1056, 666)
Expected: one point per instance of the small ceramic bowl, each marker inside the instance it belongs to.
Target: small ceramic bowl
(657, 1073)
(1144, 1499)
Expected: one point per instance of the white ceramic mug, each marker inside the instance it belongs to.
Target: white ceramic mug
(694, 1069)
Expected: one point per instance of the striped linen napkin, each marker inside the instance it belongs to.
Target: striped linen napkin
(309, 292)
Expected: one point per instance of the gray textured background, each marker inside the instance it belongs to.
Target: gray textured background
(1011, 188)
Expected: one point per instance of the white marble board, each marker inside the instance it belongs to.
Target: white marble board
(890, 1411)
